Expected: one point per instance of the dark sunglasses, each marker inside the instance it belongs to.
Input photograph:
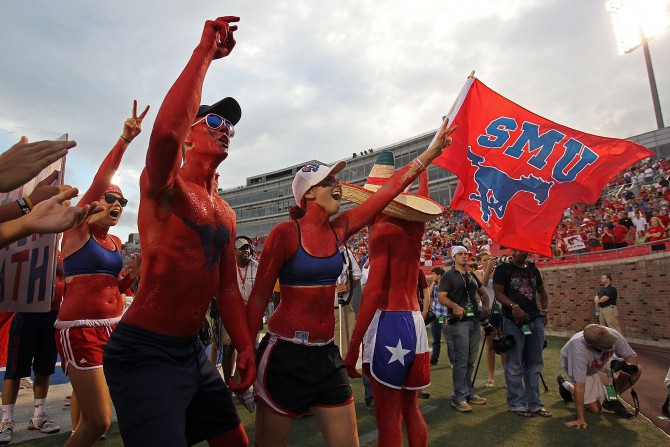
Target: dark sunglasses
(111, 198)
(214, 121)
(329, 181)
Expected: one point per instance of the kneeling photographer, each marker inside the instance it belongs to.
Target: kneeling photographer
(598, 348)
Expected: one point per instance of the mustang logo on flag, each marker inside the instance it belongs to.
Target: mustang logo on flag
(519, 171)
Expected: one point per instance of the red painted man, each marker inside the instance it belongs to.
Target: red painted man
(390, 323)
(164, 390)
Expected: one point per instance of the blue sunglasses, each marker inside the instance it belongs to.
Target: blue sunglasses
(214, 121)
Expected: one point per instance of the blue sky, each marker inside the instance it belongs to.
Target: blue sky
(315, 79)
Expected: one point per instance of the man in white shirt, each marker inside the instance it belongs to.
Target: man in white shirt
(594, 349)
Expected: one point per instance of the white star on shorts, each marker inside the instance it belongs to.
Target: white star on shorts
(398, 353)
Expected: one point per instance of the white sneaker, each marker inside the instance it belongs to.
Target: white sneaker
(44, 424)
(248, 401)
(25, 383)
(6, 432)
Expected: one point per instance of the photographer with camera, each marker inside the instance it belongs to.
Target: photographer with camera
(459, 291)
(597, 348)
(518, 287)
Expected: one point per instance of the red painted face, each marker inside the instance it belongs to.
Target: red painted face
(212, 133)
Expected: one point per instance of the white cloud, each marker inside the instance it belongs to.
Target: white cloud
(316, 80)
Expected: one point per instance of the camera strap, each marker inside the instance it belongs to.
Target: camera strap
(633, 395)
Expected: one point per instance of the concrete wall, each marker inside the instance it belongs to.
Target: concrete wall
(643, 286)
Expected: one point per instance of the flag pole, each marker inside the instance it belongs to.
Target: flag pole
(455, 107)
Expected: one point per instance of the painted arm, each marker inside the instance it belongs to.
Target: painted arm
(132, 127)
(178, 111)
(129, 279)
(351, 221)
(269, 266)
(233, 312)
(366, 312)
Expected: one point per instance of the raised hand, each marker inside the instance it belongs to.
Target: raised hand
(132, 127)
(24, 160)
(46, 189)
(218, 36)
(55, 215)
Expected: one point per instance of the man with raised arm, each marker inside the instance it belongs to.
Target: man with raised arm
(164, 390)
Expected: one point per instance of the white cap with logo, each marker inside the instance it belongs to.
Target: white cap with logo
(311, 175)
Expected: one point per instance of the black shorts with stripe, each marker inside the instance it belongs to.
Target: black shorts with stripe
(293, 377)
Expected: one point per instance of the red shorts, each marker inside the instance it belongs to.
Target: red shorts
(82, 347)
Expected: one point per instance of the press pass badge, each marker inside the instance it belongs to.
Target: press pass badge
(526, 329)
(469, 311)
(611, 392)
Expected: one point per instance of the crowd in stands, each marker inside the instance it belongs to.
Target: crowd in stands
(636, 200)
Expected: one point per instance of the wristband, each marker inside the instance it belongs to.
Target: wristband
(29, 202)
(24, 206)
(125, 139)
(421, 166)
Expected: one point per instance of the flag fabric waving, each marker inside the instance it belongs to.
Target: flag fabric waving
(519, 171)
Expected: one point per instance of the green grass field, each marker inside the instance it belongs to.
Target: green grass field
(489, 425)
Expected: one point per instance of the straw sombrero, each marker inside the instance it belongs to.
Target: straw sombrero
(405, 206)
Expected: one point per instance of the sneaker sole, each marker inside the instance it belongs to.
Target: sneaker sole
(48, 432)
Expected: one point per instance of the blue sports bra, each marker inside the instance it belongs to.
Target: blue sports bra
(304, 269)
(93, 258)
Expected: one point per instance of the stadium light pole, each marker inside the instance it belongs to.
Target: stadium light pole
(635, 23)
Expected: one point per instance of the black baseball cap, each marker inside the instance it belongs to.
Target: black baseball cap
(227, 108)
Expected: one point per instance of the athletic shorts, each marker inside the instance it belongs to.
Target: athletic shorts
(396, 347)
(31, 345)
(82, 347)
(293, 377)
(594, 390)
(165, 390)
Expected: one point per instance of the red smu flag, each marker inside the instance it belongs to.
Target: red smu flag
(518, 171)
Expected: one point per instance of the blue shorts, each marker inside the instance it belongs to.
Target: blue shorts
(293, 377)
(396, 348)
(165, 390)
(32, 343)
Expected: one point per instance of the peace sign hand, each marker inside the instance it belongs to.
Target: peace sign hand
(133, 125)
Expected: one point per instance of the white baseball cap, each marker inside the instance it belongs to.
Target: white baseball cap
(456, 249)
(311, 175)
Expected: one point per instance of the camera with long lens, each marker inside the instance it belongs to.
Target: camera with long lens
(501, 345)
(621, 365)
(487, 326)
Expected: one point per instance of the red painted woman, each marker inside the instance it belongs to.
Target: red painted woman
(299, 367)
(92, 305)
